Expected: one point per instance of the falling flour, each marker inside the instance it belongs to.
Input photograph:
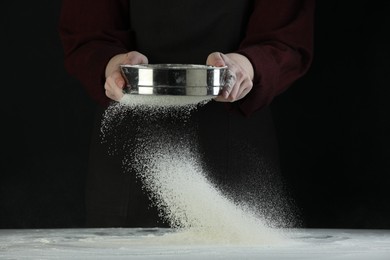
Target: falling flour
(167, 163)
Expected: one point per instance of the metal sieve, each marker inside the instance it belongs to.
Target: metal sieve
(173, 79)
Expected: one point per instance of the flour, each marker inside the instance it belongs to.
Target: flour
(166, 159)
(166, 101)
(192, 204)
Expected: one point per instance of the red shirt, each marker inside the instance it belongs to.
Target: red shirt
(278, 41)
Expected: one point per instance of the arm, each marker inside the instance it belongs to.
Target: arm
(91, 37)
(278, 45)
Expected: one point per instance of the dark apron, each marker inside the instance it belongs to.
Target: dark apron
(243, 153)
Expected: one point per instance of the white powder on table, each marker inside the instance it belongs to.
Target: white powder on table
(168, 164)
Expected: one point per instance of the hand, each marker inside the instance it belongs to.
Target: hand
(114, 80)
(239, 75)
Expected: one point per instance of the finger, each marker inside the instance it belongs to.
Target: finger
(109, 94)
(135, 57)
(245, 88)
(112, 92)
(108, 91)
(236, 90)
(230, 81)
(119, 82)
(215, 59)
(114, 86)
(239, 90)
(116, 80)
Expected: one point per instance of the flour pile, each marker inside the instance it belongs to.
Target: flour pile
(166, 159)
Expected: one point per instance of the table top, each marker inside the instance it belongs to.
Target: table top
(159, 243)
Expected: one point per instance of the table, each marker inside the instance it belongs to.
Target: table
(157, 243)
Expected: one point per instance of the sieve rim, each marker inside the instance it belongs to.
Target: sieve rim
(173, 79)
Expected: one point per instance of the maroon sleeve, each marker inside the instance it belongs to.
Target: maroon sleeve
(278, 43)
(90, 37)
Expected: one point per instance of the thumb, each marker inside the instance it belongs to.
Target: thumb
(135, 57)
(215, 59)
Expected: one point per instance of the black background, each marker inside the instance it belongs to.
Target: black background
(333, 124)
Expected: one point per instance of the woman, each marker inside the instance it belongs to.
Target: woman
(266, 44)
